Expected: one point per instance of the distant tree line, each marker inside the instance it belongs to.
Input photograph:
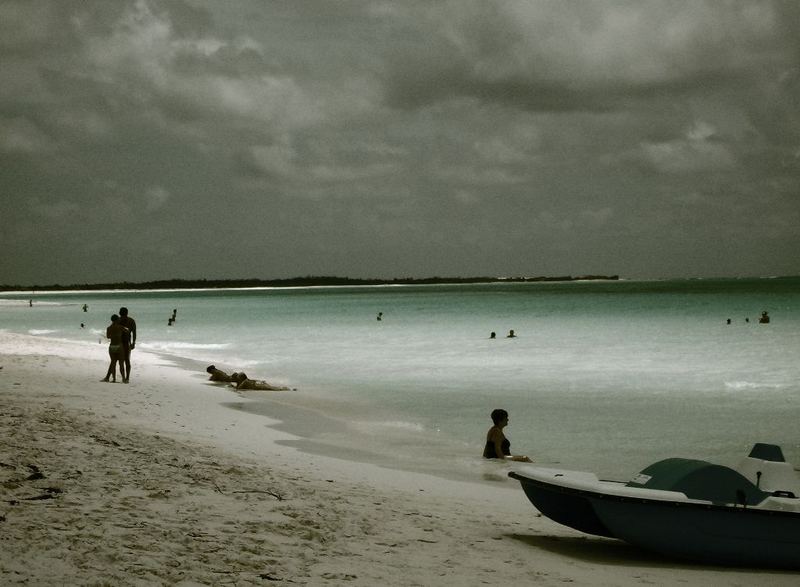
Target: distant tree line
(311, 280)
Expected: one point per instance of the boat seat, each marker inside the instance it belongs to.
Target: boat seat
(767, 452)
(700, 480)
(768, 470)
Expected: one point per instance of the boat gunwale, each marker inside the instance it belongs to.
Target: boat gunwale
(696, 504)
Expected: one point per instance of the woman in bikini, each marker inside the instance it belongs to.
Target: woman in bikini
(114, 334)
(497, 445)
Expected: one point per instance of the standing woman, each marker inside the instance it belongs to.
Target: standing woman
(115, 333)
(497, 445)
(129, 340)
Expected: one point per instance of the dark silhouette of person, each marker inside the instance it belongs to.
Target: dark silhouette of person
(242, 381)
(115, 333)
(380, 316)
(219, 374)
(764, 318)
(493, 335)
(128, 341)
(497, 445)
(511, 334)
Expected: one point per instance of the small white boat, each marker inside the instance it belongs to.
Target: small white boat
(687, 508)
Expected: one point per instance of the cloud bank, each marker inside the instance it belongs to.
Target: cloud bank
(159, 139)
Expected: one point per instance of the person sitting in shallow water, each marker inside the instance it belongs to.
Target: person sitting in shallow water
(497, 445)
(241, 381)
(219, 375)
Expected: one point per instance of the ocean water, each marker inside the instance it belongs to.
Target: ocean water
(602, 376)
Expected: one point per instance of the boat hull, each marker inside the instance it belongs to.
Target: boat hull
(570, 508)
(717, 534)
(682, 528)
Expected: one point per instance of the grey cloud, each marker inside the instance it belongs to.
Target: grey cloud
(398, 138)
(568, 56)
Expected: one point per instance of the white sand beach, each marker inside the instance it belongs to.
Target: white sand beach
(158, 482)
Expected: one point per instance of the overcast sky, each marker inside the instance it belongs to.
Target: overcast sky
(154, 139)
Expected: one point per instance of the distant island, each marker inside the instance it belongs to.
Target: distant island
(308, 281)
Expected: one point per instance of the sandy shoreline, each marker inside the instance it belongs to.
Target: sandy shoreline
(157, 482)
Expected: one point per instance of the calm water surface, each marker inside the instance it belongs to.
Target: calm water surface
(604, 376)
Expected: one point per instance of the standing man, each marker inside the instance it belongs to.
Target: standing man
(128, 341)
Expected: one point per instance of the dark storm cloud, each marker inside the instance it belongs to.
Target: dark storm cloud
(156, 139)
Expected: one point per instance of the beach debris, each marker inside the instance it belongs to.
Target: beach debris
(339, 576)
(35, 475)
(276, 494)
(102, 440)
(36, 471)
(49, 493)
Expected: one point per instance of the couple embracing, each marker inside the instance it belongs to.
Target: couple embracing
(122, 340)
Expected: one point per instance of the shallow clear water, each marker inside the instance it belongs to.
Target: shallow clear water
(605, 376)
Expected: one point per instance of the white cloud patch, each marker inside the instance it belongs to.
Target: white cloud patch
(156, 198)
(145, 54)
(597, 42)
(698, 150)
(273, 160)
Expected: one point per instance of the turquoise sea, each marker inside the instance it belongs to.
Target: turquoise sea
(602, 376)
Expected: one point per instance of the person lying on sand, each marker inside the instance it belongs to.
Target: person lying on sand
(242, 382)
(219, 375)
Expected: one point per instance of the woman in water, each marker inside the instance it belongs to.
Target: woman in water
(497, 445)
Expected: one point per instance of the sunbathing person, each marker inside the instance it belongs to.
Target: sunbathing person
(242, 382)
(219, 375)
